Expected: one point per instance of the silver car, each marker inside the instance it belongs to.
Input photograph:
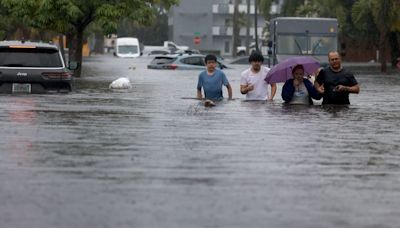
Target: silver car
(180, 62)
(32, 67)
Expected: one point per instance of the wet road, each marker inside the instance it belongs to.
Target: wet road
(145, 157)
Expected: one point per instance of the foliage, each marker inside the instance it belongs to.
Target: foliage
(153, 34)
(383, 17)
(3, 22)
(72, 17)
(363, 19)
(289, 7)
(265, 6)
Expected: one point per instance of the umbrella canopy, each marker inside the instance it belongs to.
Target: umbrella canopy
(282, 71)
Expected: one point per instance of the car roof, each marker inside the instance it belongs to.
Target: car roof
(186, 55)
(178, 56)
(28, 44)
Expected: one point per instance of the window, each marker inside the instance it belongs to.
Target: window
(30, 57)
(300, 44)
(198, 61)
(322, 45)
(162, 60)
(127, 49)
(227, 47)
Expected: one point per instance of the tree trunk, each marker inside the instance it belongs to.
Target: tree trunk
(71, 46)
(75, 44)
(78, 51)
(382, 50)
(395, 47)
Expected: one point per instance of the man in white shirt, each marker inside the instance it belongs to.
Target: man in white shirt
(252, 81)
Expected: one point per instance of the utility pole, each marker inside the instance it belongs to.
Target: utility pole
(236, 29)
(255, 24)
(248, 29)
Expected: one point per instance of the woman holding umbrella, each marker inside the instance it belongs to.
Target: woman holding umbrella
(298, 90)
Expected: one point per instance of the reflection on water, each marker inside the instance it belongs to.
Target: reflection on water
(154, 155)
(20, 110)
(18, 126)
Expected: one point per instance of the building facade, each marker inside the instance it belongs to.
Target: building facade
(207, 25)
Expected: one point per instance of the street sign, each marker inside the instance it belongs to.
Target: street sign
(197, 40)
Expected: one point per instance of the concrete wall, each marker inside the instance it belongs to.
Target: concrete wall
(192, 18)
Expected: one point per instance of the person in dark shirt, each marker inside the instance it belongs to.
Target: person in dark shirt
(335, 83)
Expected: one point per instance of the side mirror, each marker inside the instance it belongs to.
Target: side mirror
(73, 65)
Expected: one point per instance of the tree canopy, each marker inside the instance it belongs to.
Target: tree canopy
(72, 17)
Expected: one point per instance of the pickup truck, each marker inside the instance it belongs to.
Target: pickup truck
(168, 46)
(241, 50)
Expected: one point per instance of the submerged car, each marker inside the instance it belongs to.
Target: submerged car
(159, 52)
(33, 67)
(180, 62)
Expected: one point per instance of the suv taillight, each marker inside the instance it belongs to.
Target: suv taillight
(57, 75)
(171, 66)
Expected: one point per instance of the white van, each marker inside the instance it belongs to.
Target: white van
(127, 47)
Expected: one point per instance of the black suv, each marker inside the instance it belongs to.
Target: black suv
(32, 67)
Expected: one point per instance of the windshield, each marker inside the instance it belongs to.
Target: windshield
(127, 49)
(305, 45)
(163, 60)
(29, 57)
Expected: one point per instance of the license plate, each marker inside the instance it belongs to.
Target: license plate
(21, 88)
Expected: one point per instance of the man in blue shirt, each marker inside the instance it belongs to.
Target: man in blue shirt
(212, 80)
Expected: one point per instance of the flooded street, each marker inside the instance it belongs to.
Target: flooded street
(152, 156)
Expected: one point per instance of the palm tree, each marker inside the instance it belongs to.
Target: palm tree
(384, 16)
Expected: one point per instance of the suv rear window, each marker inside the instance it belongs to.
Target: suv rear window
(198, 61)
(162, 60)
(29, 57)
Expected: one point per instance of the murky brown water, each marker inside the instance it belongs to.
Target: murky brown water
(145, 157)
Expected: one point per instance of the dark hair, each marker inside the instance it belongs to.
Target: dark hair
(256, 57)
(210, 57)
(298, 66)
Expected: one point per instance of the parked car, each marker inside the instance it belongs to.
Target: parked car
(189, 51)
(33, 67)
(159, 52)
(244, 60)
(180, 62)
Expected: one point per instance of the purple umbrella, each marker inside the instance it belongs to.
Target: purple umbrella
(282, 71)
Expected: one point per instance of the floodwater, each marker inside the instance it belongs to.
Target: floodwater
(153, 157)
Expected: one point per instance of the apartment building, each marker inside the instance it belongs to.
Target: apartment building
(207, 25)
